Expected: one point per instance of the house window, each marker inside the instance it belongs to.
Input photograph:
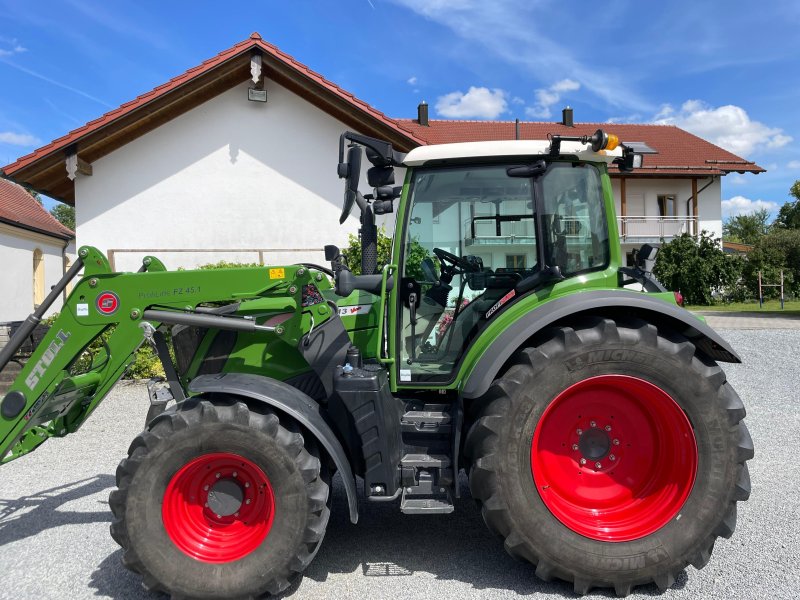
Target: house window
(667, 205)
(38, 277)
(515, 261)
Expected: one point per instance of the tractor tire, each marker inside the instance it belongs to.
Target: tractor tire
(218, 500)
(611, 454)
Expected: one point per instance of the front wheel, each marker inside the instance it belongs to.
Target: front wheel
(611, 455)
(216, 500)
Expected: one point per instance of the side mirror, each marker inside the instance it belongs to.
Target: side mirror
(350, 171)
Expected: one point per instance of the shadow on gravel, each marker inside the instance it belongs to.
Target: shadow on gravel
(458, 546)
(113, 580)
(27, 516)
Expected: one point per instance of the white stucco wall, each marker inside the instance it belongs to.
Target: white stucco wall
(16, 277)
(228, 175)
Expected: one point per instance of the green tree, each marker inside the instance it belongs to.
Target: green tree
(697, 268)
(789, 214)
(780, 250)
(64, 214)
(746, 229)
(416, 254)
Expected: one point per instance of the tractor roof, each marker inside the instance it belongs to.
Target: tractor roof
(511, 148)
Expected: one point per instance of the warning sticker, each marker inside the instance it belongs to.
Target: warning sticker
(278, 273)
(405, 374)
(82, 310)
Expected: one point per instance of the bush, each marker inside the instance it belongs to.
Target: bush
(416, 254)
(698, 268)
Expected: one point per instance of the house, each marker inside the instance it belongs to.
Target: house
(235, 160)
(35, 251)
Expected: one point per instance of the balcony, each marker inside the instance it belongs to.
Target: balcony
(637, 229)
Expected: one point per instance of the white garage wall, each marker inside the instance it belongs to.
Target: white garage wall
(16, 276)
(228, 175)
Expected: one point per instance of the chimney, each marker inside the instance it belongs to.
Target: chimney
(422, 114)
(566, 117)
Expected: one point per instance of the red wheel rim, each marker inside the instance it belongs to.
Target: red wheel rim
(614, 458)
(218, 508)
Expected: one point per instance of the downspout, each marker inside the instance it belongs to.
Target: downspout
(700, 191)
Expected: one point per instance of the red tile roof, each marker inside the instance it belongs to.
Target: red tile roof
(679, 152)
(254, 41)
(19, 208)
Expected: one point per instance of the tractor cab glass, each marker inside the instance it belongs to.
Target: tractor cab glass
(473, 234)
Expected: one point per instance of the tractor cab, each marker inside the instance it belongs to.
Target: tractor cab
(480, 227)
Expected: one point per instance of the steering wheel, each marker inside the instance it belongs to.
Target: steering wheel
(454, 265)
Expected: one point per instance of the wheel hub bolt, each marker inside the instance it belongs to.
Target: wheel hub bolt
(608, 427)
(247, 501)
(246, 484)
(574, 446)
(593, 424)
(219, 475)
(580, 431)
(598, 465)
(616, 442)
(235, 474)
(583, 461)
(205, 488)
(612, 457)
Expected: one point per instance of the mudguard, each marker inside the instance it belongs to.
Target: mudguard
(294, 403)
(601, 302)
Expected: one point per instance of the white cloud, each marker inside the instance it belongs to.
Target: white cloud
(728, 126)
(18, 139)
(547, 97)
(739, 205)
(478, 102)
(794, 164)
(517, 100)
(412, 80)
(12, 47)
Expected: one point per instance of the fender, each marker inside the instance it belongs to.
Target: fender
(601, 302)
(294, 403)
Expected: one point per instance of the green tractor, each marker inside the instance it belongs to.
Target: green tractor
(601, 439)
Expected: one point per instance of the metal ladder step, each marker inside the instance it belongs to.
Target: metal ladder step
(426, 506)
(425, 461)
(430, 418)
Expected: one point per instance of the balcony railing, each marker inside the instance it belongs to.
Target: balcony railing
(635, 228)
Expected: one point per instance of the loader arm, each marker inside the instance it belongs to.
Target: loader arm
(103, 321)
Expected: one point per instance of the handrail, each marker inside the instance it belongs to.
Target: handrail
(386, 272)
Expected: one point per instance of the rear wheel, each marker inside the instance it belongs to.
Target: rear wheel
(611, 455)
(217, 500)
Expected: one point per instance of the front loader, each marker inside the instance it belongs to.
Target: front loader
(600, 437)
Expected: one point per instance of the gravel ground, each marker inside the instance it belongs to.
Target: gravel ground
(54, 516)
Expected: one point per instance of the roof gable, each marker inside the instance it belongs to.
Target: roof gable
(44, 168)
(20, 209)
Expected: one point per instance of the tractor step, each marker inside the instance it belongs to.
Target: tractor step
(425, 461)
(427, 418)
(428, 496)
(426, 506)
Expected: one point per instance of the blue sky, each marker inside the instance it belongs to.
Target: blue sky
(725, 71)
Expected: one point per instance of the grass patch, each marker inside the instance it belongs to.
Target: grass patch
(791, 307)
